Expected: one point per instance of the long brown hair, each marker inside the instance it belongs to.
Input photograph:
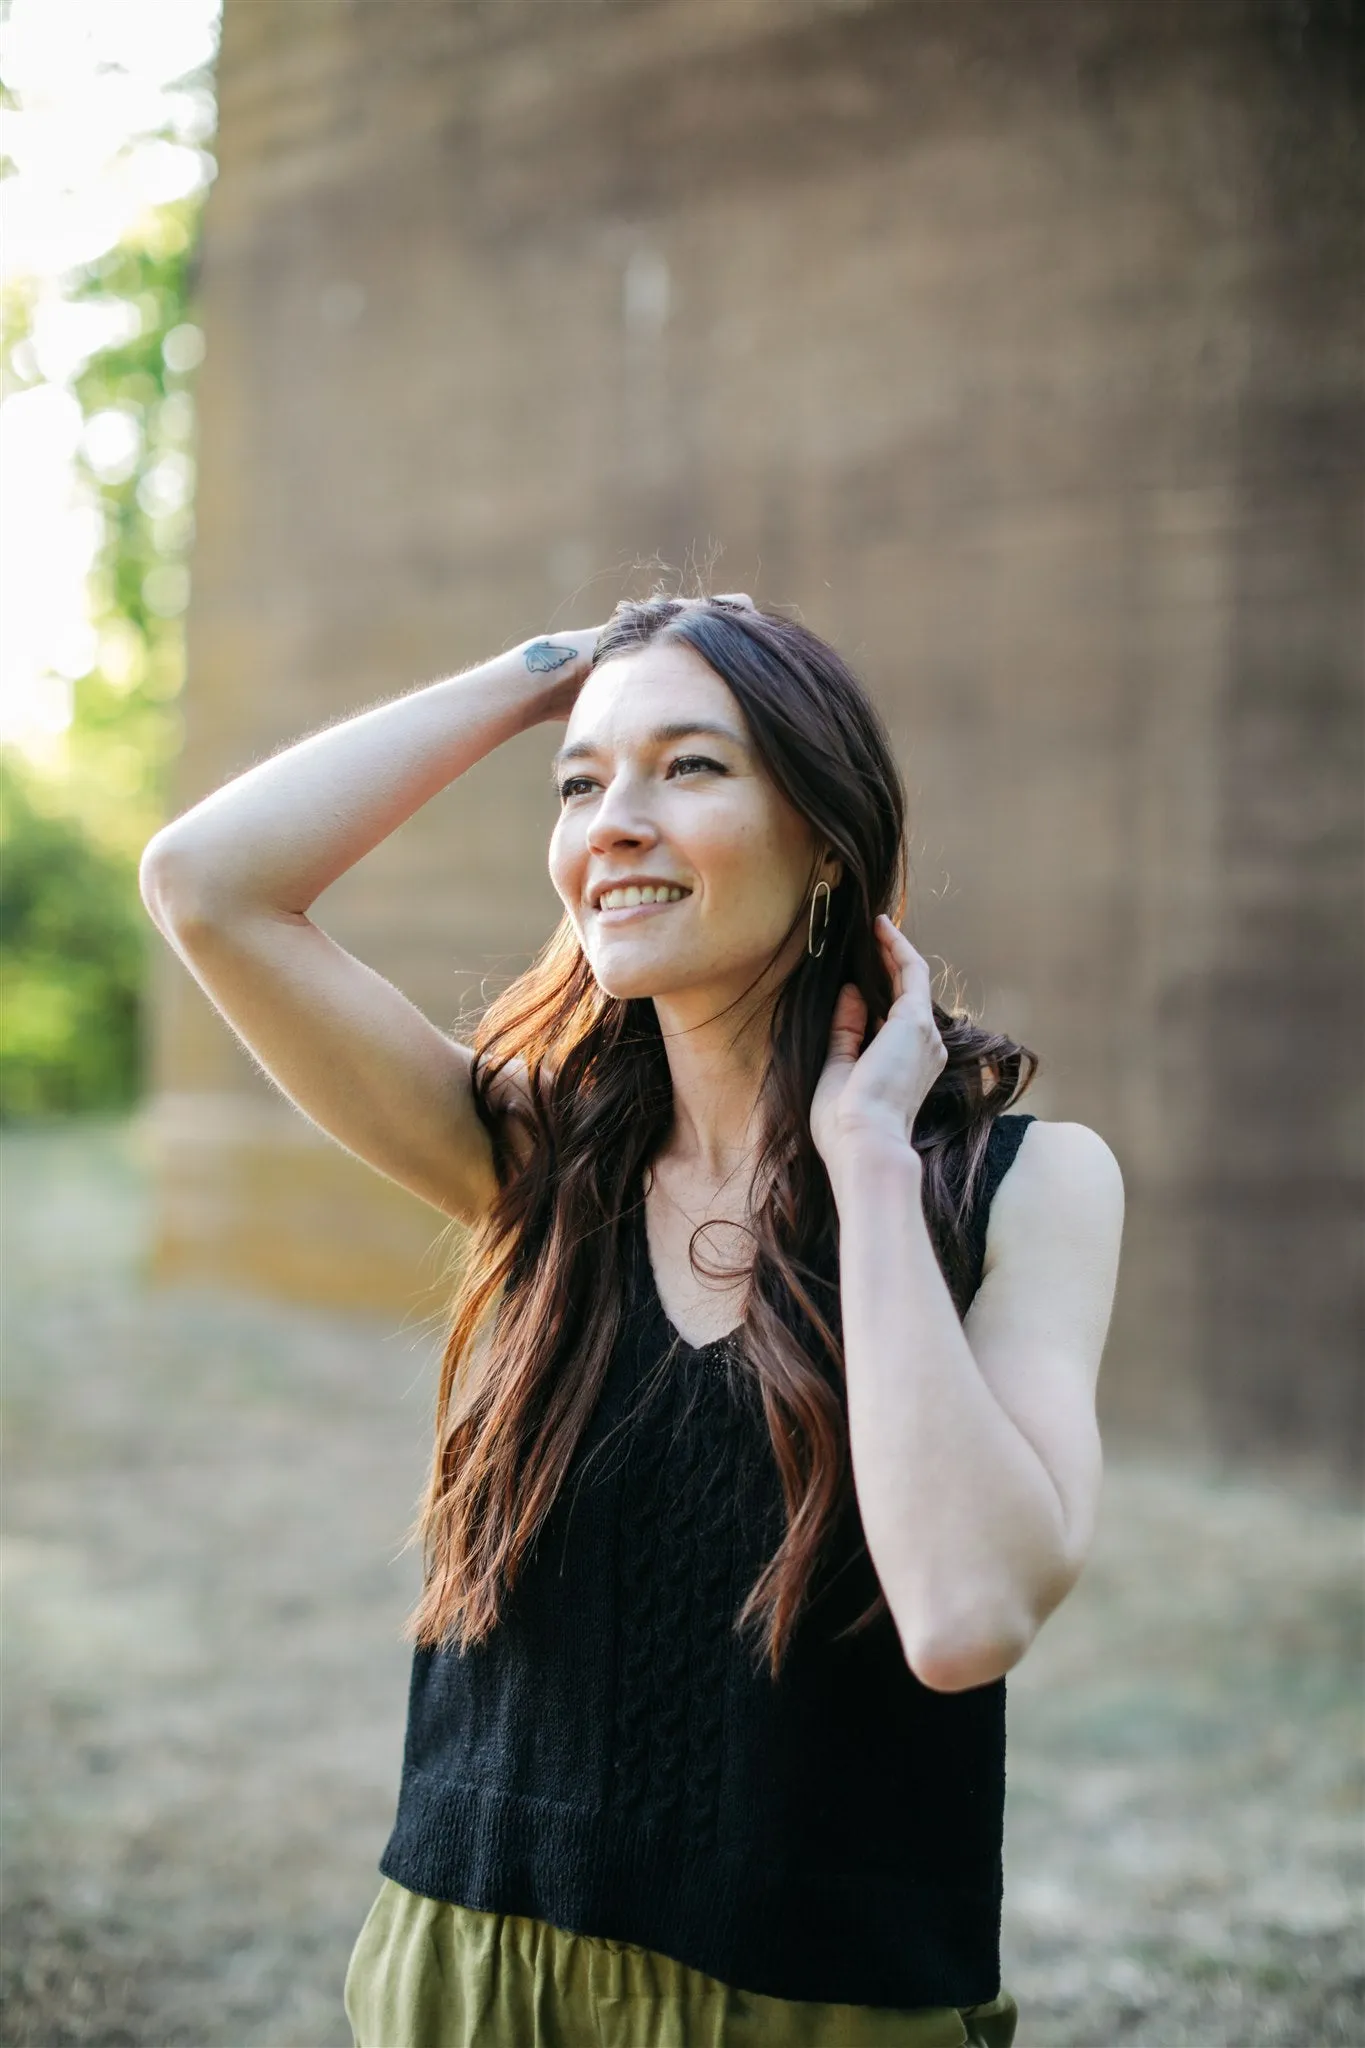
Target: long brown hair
(537, 1309)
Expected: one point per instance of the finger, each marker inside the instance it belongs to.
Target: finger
(895, 937)
(905, 963)
(917, 1038)
(739, 597)
(848, 1024)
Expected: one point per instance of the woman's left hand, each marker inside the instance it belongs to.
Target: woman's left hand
(876, 1093)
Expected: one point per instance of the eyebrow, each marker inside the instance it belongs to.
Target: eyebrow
(679, 729)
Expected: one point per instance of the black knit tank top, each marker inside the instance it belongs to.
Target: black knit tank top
(614, 1760)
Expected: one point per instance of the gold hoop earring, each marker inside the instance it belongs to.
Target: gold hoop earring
(811, 947)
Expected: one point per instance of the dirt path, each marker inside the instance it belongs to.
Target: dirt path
(204, 1502)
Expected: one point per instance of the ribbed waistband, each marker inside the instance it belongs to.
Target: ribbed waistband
(857, 1938)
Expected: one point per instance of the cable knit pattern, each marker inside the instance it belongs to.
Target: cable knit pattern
(650, 1578)
(713, 1605)
(675, 1566)
(615, 1760)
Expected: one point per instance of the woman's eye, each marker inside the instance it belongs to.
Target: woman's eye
(573, 783)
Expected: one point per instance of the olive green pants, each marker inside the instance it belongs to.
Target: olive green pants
(428, 1975)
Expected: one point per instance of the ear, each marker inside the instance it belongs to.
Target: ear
(831, 871)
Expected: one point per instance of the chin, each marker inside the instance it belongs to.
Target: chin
(631, 981)
(627, 988)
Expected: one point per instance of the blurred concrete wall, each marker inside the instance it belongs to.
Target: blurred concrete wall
(1017, 344)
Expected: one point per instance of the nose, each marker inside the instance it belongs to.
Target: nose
(621, 818)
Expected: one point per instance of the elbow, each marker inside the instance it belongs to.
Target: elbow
(977, 1649)
(172, 886)
(958, 1668)
(157, 879)
(954, 1659)
(976, 1642)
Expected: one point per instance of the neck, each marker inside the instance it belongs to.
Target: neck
(717, 1053)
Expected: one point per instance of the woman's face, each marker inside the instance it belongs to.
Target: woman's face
(659, 784)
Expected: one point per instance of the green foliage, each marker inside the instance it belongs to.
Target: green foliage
(127, 725)
(72, 957)
(74, 937)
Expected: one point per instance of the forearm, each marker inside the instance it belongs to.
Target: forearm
(963, 1522)
(278, 835)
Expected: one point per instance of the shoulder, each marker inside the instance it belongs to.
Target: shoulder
(1072, 1152)
(1063, 1181)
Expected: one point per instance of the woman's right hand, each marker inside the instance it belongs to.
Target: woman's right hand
(562, 661)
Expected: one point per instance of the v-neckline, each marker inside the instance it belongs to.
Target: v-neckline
(655, 1299)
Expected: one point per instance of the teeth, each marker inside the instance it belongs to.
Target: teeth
(628, 898)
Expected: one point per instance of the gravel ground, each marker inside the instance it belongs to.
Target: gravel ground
(204, 1509)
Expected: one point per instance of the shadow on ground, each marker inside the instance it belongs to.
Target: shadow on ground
(205, 1503)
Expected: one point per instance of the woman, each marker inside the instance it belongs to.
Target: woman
(766, 1433)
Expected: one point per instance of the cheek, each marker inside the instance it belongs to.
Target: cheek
(565, 860)
(747, 870)
(755, 845)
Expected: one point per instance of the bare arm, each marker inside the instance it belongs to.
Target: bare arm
(975, 1445)
(231, 881)
(976, 1451)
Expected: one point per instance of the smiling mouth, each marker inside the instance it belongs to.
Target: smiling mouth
(615, 913)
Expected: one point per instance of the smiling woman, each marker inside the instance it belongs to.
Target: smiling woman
(717, 820)
(725, 1564)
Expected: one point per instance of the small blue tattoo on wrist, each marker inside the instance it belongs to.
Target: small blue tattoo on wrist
(545, 656)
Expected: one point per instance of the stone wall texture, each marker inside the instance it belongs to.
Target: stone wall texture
(1018, 345)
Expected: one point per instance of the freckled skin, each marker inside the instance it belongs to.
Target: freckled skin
(724, 831)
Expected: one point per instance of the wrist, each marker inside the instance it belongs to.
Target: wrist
(872, 1159)
(553, 668)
